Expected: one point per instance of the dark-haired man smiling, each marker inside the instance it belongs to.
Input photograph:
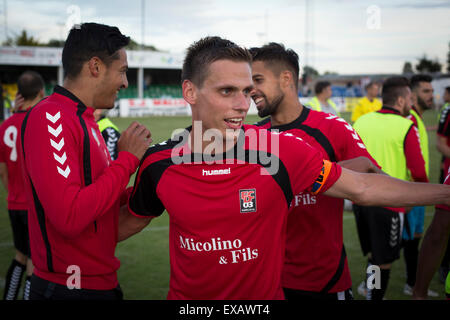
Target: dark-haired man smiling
(73, 188)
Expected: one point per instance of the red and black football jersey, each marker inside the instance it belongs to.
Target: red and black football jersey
(315, 255)
(9, 154)
(228, 212)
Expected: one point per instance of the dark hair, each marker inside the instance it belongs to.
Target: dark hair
(417, 79)
(370, 84)
(447, 89)
(276, 56)
(393, 88)
(29, 84)
(320, 86)
(204, 52)
(91, 40)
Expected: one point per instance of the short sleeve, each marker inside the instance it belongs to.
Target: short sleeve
(307, 169)
(144, 201)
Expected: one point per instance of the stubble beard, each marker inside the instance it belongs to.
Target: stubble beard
(271, 108)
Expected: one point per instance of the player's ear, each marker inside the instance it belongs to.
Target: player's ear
(286, 79)
(95, 65)
(189, 91)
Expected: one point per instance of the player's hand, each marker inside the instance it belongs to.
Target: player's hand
(18, 101)
(135, 139)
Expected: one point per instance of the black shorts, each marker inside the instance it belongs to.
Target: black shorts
(19, 225)
(42, 289)
(296, 295)
(380, 232)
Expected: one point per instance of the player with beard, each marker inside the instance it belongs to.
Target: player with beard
(315, 264)
(422, 98)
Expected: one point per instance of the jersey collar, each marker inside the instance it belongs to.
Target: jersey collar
(66, 93)
(294, 124)
(386, 109)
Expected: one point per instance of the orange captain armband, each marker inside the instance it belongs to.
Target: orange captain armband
(322, 178)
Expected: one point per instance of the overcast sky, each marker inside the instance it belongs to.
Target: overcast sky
(345, 36)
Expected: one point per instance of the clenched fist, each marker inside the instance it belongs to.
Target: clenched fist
(135, 139)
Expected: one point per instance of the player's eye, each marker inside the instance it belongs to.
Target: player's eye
(225, 91)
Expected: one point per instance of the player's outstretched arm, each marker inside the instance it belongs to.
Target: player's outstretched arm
(431, 252)
(382, 190)
(130, 224)
(360, 164)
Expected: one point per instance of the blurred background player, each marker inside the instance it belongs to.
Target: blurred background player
(422, 99)
(109, 131)
(31, 89)
(432, 249)
(443, 146)
(446, 101)
(443, 135)
(369, 103)
(315, 224)
(322, 100)
(392, 140)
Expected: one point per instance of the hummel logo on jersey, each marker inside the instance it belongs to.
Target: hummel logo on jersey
(215, 172)
(247, 199)
(349, 128)
(58, 146)
(54, 118)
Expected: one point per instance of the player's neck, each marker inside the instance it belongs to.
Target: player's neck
(81, 90)
(199, 142)
(27, 104)
(322, 99)
(418, 110)
(287, 112)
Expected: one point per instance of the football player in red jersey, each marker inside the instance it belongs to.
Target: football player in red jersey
(228, 217)
(30, 90)
(73, 189)
(316, 264)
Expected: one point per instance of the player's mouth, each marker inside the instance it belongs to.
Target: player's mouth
(234, 123)
(259, 101)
